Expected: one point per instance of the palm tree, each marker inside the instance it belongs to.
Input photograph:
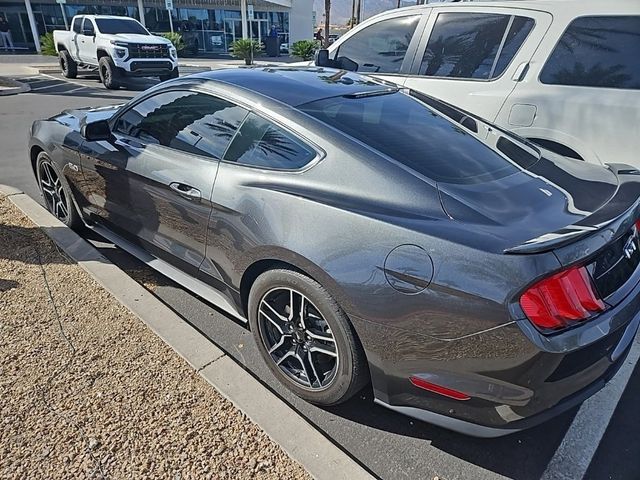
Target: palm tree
(327, 12)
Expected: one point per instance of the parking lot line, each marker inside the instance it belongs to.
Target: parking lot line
(580, 443)
(67, 80)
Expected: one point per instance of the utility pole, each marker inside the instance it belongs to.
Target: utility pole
(352, 20)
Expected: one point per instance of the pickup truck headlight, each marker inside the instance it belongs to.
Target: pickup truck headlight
(120, 52)
(173, 52)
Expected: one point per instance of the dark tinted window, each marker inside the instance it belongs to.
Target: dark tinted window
(380, 47)
(597, 52)
(77, 24)
(408, 131)
(518, 33)
(120, 25)
(262, 144)
(188, 121)
(87, 26)
(465, 45)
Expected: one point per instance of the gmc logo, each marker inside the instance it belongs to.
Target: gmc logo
(148, 47)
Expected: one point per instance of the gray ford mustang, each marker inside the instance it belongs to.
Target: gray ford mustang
(366, 233)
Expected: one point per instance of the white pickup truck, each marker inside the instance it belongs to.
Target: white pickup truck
(117, 46)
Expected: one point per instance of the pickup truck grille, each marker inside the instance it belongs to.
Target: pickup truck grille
(142, 50)
(616, 263)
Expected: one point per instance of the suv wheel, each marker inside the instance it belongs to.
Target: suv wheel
(67, 64)
(305, 337)
(109, 73)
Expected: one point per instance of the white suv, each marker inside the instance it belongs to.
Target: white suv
(563, 73)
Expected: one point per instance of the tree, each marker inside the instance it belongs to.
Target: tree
(327, 12)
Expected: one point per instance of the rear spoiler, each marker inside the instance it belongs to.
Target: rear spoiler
(610, 221)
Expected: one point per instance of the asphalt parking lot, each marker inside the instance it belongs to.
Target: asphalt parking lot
(601, 440)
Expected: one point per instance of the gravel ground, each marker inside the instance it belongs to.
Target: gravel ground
(88, 392)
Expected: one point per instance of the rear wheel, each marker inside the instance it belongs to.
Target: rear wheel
(305, 337)
(55, 192)
(67, 64)
(109, 73)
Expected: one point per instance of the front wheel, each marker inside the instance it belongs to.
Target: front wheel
(55, 192)
(174, 74)
(305, 337)
(109, 73)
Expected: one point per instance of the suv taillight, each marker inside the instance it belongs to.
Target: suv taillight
(558, 301)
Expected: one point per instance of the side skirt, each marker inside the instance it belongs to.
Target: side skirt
(194, 285)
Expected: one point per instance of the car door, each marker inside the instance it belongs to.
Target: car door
(86, 42)
(473, 57)
(581, 97)
(152, 182)
(383, 48)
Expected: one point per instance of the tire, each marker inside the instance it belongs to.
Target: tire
(109, 73)
(68, 65)
(174, 74)
(330, 380)
(56, 192)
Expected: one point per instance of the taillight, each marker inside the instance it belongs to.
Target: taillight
(561, 299)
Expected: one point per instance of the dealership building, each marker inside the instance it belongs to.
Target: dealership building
(209, 26)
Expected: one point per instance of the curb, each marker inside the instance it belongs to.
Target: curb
(17, 87)
(297, 437)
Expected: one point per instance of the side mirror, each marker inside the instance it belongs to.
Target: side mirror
(345, 63)
(96, 131)
(322, 58)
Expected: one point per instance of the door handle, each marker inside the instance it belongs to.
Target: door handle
(186, 191)
(520, 72)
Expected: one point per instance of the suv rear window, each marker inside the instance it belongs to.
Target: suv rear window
(597, 52)
(411, 133)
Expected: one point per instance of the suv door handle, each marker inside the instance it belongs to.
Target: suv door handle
(186, 191)
(520, 72)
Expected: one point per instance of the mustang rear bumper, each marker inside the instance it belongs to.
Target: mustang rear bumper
(515, 377)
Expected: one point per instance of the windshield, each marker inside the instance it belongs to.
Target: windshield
(120, 25)
(413, 134)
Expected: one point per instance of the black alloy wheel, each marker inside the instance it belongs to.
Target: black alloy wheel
(305, 337)
(55, 193)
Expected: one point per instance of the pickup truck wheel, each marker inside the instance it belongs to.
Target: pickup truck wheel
(68, 65)
(109, 73)
(174, 74)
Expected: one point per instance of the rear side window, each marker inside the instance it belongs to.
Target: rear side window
(77, 24)
(597, 52)
(473, 45)
(413, 134)
(381, 47)
(260, 143)
(188, 121)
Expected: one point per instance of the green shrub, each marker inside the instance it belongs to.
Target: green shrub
(47, 45)
(246, 49)
(305, 49)
(176, 39)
